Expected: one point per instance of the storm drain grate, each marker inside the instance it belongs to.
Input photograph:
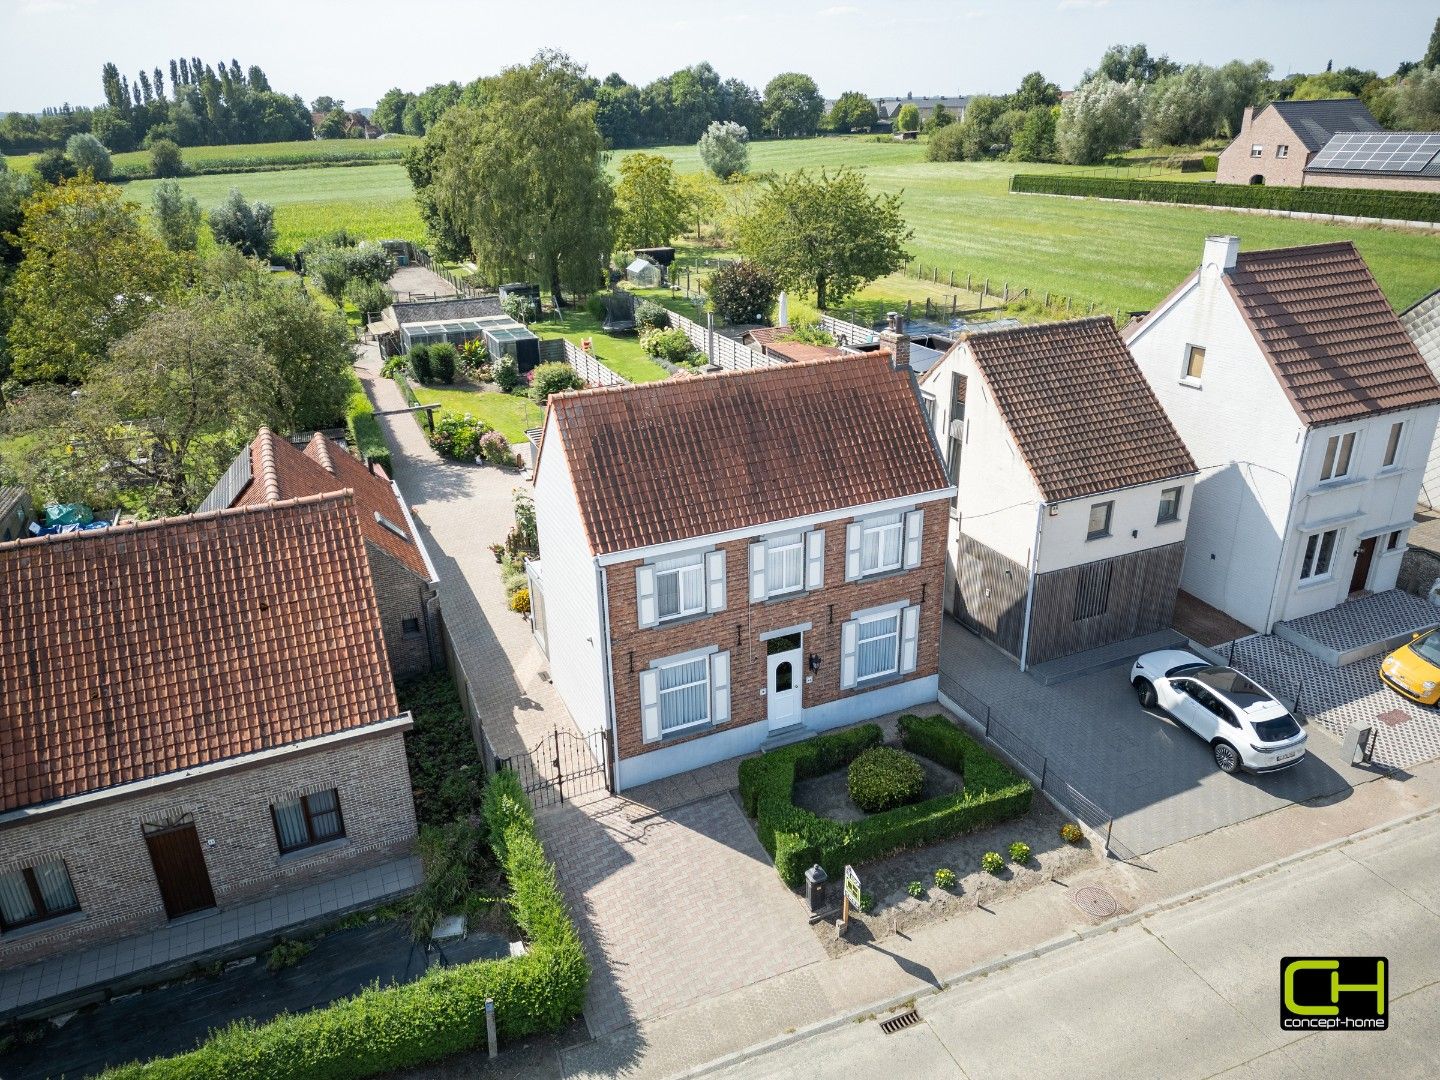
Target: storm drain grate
(1094, 900)
(900, 1023)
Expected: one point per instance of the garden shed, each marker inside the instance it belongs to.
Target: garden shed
(643, 272)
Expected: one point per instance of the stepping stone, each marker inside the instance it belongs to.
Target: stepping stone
(451, 926)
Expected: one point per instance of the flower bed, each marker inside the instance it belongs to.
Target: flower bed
(797, 838)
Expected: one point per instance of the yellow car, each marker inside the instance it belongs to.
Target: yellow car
(1414, 669)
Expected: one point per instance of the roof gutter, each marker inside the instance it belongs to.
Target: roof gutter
(415, 533)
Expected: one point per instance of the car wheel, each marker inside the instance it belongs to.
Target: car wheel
(1227, 757)
(1145, 692)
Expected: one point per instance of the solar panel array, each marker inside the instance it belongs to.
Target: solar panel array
(1384, 151)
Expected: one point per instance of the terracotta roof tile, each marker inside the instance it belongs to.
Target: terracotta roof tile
(1082, 416)
(140, 650)
(1335, 344)
(684, 458)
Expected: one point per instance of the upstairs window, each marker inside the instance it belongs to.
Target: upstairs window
(1392, 444)
(1338, 449)
(1194, 363)
(1282, 150)
(1257, 150)
(882, 545)
(1099, 527)
(1169, 505)
(35, 894)
(680, 586)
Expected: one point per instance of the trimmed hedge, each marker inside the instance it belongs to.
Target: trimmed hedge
(883, 778)
(364, 429)
(1353, 202)
(440, 1014)
(797, 838)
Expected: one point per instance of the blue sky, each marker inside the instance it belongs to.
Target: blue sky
(356, 49)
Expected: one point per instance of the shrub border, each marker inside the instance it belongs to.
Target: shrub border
(364, 429)
(440, 1014)
(797, 838)
(1347, 202)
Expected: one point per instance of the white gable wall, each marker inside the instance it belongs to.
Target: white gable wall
(572, 591)
(1245, 437)
(1063, 534)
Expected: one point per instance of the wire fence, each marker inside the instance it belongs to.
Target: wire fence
(1037, 767)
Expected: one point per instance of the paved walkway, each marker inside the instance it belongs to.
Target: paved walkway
(227, 930)
(415, 282)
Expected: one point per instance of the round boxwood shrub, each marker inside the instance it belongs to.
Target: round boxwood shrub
(883, 778)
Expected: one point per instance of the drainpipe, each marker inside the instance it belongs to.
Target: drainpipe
(1030, 587)
(602, 593)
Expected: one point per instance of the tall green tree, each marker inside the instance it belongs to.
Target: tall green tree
(852, 111)
(1431, 59)
(793, 105)
(522, 177)
(1099, 118)
(177, 216)
(249, 227)
(650, 208)
(908, 119)
(725, 149)
(825, 235)
(91, 273)
(89, 155)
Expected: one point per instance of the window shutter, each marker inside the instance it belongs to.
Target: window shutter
(720, 687)
(849, 645)
(815, 559)
(909, 638)
(645, 606)
(852, 551)
(715, 581)
(914, 532)
(650, 704)
(757, 572)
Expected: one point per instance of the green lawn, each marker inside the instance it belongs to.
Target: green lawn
(509, 414)
(621, 353)
(239, 157)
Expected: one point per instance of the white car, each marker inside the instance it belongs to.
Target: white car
(1244, 724)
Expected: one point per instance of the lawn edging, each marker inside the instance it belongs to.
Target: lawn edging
(440, 1014)
(796, 838)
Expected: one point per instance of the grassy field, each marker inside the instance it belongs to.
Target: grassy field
(244, 157)
(509, 414)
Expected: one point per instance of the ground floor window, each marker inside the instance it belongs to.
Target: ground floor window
(309, 820)
(878, 649)
(1319, 554)
(35, 894)
(684, 694)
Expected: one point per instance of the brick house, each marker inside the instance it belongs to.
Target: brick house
(271, 468)
(198, 712)
(738, 559)
(1073, 489)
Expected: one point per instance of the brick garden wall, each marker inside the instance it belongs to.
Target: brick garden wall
(738, 628)
(104, 847)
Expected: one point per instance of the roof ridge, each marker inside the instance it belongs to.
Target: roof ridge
(177, 520)
(1328, 245)
(267, 474)
(322, 449)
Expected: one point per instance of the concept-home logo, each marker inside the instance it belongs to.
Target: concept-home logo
(1334, 993)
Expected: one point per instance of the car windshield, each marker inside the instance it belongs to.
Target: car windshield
(1277, 728)
(1428, 648)
(1233, 685)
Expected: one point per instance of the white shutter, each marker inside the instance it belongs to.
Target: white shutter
(815, 559)
(909, 638)
(849, 645)
(645, 605)
(852, 551)
(914, 531)
(650, 704)
(715, 581)
(720, 687)
(757, 572)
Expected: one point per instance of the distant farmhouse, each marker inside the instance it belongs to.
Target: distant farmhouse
(1330, 143)
(887, 109)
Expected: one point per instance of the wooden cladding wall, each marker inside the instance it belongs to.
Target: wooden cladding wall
(1141, 592)
(990, 594)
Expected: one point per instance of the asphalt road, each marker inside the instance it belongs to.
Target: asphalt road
(1192, 992)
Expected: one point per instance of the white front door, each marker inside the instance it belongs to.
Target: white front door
(784, 666)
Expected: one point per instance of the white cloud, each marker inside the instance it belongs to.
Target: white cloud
(839, 10)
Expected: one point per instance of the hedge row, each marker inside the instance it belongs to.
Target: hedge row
(1352, 202)
(440, 1014)
(796, 838)
(364, 429)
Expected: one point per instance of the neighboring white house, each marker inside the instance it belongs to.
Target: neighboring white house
(735, 558)
(1422, 322)
(1311, 414)
(1068, 531)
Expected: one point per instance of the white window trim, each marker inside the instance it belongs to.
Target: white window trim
(1257, 150)
(717, 677)
(1395, 463)
(774, 546)
(1329, 572)
(1186, 379)
(890, 523)
(1339, 440)
(691, 564)
(894, 668)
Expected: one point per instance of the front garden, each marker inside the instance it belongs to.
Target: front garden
(478, 398)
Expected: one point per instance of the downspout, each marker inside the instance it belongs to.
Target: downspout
(1030, 587)
(602, 593)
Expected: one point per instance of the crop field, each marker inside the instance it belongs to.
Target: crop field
(248, 157)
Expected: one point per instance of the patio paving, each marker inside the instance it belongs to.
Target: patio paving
(218, 932)
(1364, 621)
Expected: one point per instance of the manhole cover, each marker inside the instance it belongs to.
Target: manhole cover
(1094, 900)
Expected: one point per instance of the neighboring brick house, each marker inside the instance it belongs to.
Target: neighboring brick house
(1068, 529)
(1311, 413)
(740, 558)
(271, 469)
(198, 711)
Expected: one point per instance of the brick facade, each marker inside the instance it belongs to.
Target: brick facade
(401, 595)
(103, 844)
(1269, 130)
(1396, 182)
(739, 627)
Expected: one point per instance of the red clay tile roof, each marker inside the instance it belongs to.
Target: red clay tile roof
(684, 458)
(764, 335)
(140, 650)
(799, 351)
(1337, 348)
(280, 471)
(1082, 416)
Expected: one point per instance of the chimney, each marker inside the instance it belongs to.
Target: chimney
(1221, 251)
(894, 338)
(1245, 118)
